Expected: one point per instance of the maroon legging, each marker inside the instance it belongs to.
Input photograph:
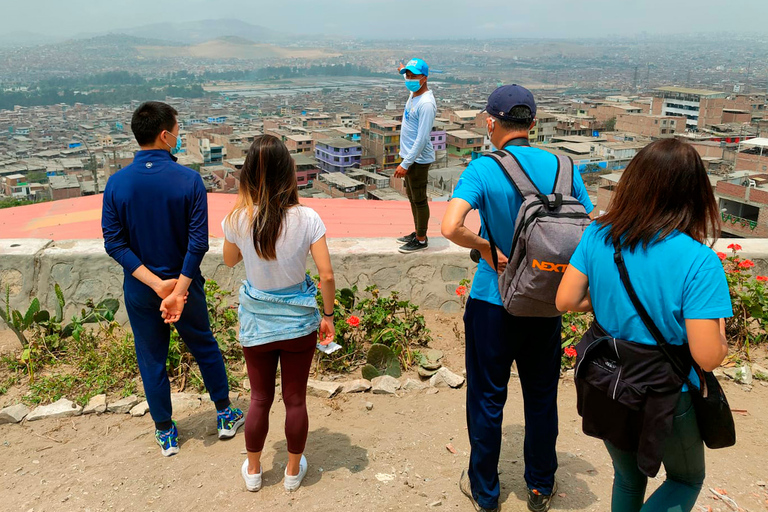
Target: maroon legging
(295, 358)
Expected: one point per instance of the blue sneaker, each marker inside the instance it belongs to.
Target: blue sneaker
(168, 440)
(228, 421)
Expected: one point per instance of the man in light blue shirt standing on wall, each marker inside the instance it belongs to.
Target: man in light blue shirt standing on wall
(416, 150)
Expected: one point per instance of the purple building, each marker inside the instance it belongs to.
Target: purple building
(438, 139)
(337, 155)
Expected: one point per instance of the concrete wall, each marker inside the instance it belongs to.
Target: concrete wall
(30, 267)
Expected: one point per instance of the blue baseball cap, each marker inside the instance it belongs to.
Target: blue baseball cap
(505, 98)
(417, 67)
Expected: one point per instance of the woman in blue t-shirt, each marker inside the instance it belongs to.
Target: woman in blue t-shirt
(661, 215)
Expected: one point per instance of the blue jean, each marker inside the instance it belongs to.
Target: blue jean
(683, 461)
(152, 338)
(494, 339)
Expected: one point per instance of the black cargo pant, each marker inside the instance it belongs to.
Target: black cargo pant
(416, 190)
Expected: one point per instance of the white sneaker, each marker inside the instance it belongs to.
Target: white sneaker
(292, 483)
(252, 482)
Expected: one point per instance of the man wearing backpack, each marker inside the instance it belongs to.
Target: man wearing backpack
(494, 337)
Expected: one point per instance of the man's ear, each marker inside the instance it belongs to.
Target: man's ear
(533, 125)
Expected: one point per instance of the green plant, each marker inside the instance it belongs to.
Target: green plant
(749, 297)
(381, 360)
(574, 327)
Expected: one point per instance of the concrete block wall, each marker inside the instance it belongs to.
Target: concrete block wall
(30, 267)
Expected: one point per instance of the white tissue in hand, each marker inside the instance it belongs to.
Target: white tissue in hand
(329, 348)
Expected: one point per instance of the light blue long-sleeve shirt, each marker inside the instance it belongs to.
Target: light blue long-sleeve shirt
(418, 119)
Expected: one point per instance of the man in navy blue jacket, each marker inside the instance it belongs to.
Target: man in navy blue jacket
(155, 224)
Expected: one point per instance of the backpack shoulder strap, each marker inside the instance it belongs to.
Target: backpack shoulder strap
(515, 172)
(564, 177)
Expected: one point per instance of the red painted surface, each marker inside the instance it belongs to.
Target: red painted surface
(80, 218)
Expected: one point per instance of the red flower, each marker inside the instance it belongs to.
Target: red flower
(722, 255)
(735, 247)
(319, 285)
(762, 278)
(746, 264)
(574, 329)
(353, 321)
(461, 291)
(570, 351)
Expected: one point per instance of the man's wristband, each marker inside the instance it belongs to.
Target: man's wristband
(326, 314)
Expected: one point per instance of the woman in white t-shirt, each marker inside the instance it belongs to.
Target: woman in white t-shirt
(273, 234)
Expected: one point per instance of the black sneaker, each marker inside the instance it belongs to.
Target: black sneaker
(407, 238)
(466, 487)
(538, 502)
(413, 246)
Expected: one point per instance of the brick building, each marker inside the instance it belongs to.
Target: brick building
(649, 125)
(380, 138)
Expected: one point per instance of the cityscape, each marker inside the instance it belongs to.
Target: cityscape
(337, 104)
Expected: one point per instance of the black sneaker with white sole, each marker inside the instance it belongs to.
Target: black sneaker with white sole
(538, 502)
(413, 246)
(407, 238)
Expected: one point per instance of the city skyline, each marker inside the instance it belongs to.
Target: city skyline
(391, 19)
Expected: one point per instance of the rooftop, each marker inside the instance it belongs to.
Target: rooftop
(695, 92)
(338, 142)
(80, 218)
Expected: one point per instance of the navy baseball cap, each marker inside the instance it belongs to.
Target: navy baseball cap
(417, 67)
(505, 98)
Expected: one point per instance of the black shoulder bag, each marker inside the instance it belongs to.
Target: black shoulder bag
(713, 414)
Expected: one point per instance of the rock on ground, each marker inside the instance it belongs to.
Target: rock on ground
(184, 401)
(124, 405)
(323, 389)
(385, 385)
(446, 378)
(62, 408)
(140, 409)
(97, 404)
(356, 386)
(414, 385)
(13, 413)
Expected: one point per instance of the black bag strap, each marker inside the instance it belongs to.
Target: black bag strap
(646, 318)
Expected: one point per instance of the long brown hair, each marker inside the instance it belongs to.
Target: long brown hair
(665, 188)
(268, 189)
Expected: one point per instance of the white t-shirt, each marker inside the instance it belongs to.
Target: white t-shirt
(302, 227)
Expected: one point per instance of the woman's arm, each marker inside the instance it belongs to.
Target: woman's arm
(573, 293)
(232, 255)
(322, 258)
(707, 341)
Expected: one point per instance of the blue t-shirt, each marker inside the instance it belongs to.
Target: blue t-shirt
(485, 186)
(676, 279)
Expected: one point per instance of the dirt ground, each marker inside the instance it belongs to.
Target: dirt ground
(391, 458)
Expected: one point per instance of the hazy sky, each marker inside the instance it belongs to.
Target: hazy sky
(399, 18)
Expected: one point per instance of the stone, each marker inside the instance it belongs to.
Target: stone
(431, 366)
(421, 273)
(436, 503)
(13, 413)
(740, 374)
(446, 378)
(184, 401)
(123, 406)
(450, 307)
(425, 374)
(453, 274)
(368, 406)
(759, 372)
(385, 385)
(387, 277)
(356, 386)
(323, 389)
(246, 384)
(745, 375)
(62, 408)
(139, 410)
(433, 391)
(414, 385)
(97, 404)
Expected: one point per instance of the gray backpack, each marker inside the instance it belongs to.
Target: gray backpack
(547, 231)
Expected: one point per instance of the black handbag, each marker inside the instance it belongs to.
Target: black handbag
(713, 414)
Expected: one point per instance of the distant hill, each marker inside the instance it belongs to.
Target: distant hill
(231, 47)
(196, 32)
